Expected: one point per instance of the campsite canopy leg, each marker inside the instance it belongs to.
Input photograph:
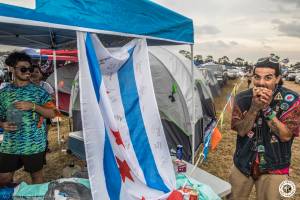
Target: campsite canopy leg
(56, 94)
(193, 104)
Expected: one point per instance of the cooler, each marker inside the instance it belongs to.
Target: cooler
(76, 144)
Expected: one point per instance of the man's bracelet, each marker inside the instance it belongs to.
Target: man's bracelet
(271, 116)
(267, 111)
(33, 107)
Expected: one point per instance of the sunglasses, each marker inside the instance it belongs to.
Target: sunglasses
(24, 69)
(270, 59)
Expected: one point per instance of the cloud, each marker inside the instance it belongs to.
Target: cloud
(277, 21)
(207, 30)
(286, 7)
(297, 2)
(219, 44)
(282, 9)
(233, 43)
(291, 29)
(265, 45)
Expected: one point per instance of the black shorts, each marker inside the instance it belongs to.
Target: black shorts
(12, 162)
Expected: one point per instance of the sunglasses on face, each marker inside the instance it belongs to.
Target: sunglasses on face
(24, 69)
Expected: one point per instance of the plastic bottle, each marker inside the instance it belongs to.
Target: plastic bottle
(14, 115)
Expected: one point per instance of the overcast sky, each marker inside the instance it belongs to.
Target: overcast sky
(246, 28)
(243, 28)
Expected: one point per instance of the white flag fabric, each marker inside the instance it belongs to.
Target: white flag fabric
(126, 149)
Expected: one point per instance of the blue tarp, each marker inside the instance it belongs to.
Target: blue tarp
(58, 19)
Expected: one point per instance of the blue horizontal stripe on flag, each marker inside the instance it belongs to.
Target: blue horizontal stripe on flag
(138, 135)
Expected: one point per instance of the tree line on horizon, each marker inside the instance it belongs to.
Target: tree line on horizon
(241, 62)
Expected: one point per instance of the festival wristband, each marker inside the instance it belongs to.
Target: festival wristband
(271, 116)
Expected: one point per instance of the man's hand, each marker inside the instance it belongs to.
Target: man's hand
(257, 104)
(9, 126)
(24, 105)
(262, 98)
(266, 96)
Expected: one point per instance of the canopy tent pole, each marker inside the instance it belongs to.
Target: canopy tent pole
(56, 94)
(193, 104)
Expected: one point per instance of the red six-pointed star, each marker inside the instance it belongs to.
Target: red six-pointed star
(124, 170)
(118, 137)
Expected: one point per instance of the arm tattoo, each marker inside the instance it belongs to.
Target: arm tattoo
(242, 122)
(274, 128)
(245, 125)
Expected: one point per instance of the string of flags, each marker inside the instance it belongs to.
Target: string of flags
(229, 103)
(213, 135)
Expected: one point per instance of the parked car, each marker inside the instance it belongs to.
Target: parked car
(291, 76)
(297, 78)
(241, 72)
(225, 74)
(218, 71)
(232, 72)
(284, 71)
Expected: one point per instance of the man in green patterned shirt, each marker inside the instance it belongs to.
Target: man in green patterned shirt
(23, 107)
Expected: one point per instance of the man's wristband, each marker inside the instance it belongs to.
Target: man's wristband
(33, 107)
(270, 116)
(267, 111)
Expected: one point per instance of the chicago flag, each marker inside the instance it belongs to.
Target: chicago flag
(126, 149)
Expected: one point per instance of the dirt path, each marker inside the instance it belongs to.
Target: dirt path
(220, 161)
(291, 85)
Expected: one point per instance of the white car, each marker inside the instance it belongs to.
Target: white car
(232, 73)
(297, 78)
(291, 76)
(241, 73)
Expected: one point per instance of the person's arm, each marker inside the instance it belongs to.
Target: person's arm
(288, 125)
(45, 112)
(50, 90)
(8, 126)
(279, 129)
(243, 124)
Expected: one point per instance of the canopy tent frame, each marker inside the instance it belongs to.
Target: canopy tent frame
(55, 31)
